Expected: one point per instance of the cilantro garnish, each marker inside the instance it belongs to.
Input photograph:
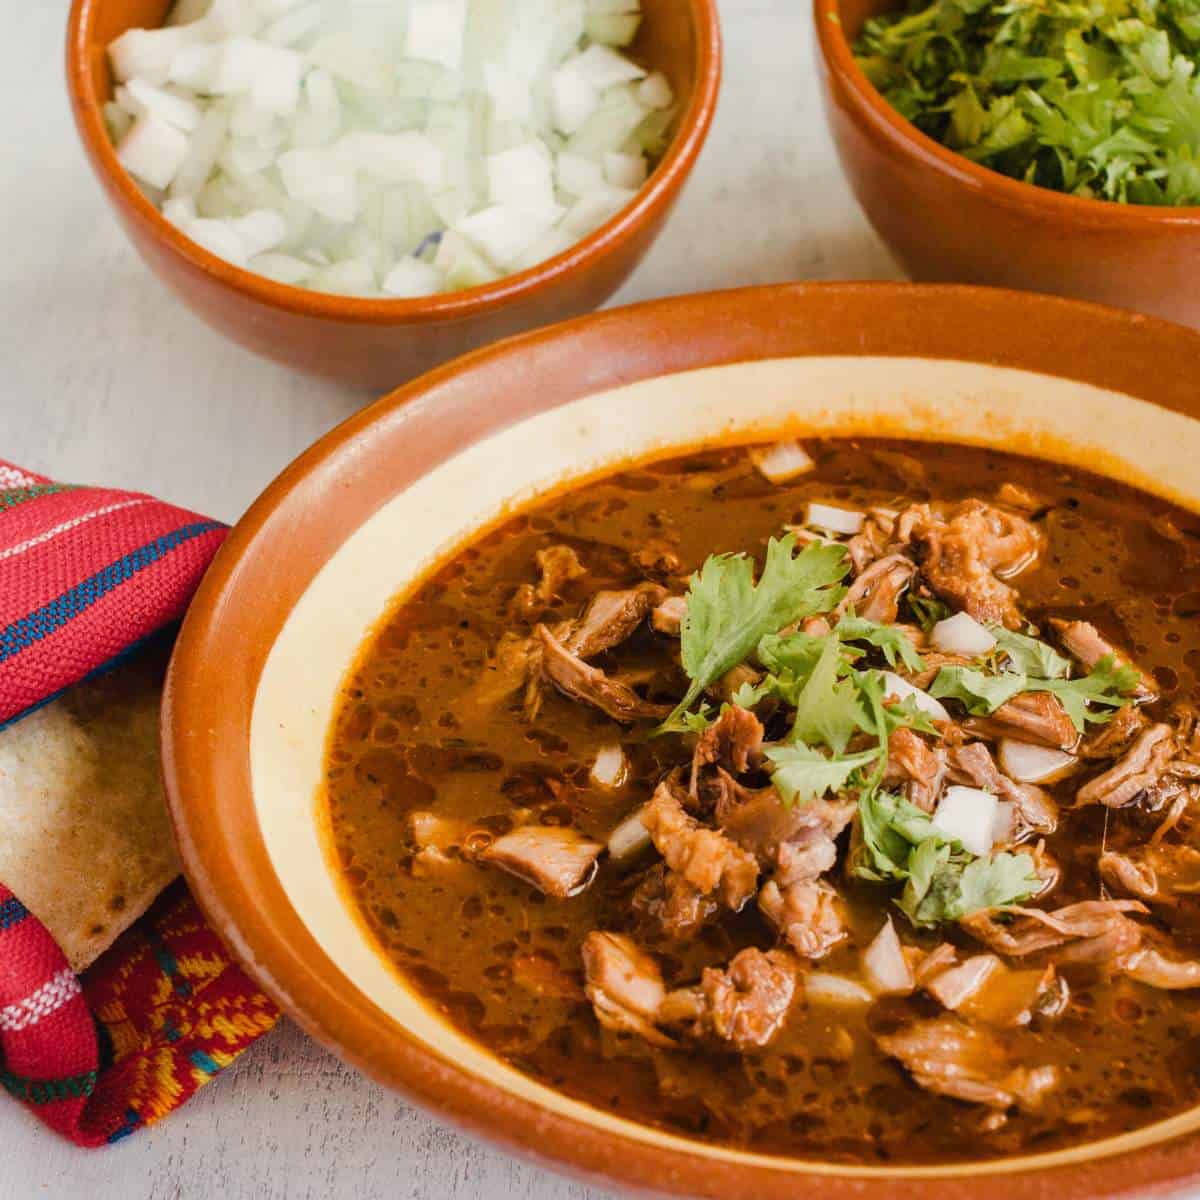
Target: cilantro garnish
(1108, 685)
(802, 774)
(728, 613)
(1098, 100)
(942, 881)
(1029, 655)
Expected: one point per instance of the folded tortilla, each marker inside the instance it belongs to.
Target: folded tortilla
(85, 842)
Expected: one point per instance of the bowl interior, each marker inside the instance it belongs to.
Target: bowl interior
(392, 551)
(667, 40)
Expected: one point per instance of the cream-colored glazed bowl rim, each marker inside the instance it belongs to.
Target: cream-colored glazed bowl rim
(1049, 417)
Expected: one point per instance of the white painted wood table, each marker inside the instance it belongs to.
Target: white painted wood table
(104, 378)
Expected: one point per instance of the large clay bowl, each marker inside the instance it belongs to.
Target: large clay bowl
(364, 514)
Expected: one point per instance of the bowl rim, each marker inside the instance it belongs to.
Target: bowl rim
(659, 190)
(838, 55)
(227, 633)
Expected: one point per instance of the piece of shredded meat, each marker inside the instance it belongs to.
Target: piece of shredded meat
(982, 988)
(809, 915)
(1140, 768)
(624, 985)
(707, 859)
(678, 908)
(915, 768)
(557, 566)
(947, 1056)
(966, 550)
(610, 619)
(1090, 931)
(875, 594)
(1034, 812)
(580, 681)
(873, 540)
(558, 861)
(1036, 717)
(745, 1004)
(1159, 874)
(668, 617)
(1084, 642)
(734, 741)
(1111, 739)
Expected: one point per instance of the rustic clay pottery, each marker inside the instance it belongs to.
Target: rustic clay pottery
(948, 219)
(362, 516)
(379, 343)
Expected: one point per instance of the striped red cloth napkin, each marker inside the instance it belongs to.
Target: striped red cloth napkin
(86, 575)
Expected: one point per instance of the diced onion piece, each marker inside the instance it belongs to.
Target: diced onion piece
(147, 54)
(435, 31)
(175, 110)
(411, 278)
(1027, 763)
(836, 520)
(219, 238)
(968, 815)
(612, 29)
(823, 988)
(554, 242)
(655, 91)
(783, 461)
(962, 634)
(886, 969)
(592, 210)
(509, 93)
(610, 770)
(153, 151)
(294, 26)
(624, 170)
(573, 99)
(318, 179)
(259, 231)
(1004, 827)
(603, 68)
(349, 277)
(503, 234)
(629, 839)
(180, 210)
(901, 689)
(407, 157)
(282, 268)
(523, 178)
(578, 175)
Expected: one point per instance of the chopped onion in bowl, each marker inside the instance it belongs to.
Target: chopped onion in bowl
(962, 634)
(400, 148)
(782, 462)
(610, 768)
(820, 987)
(1027, 763)
(630, 839)
(886, 969)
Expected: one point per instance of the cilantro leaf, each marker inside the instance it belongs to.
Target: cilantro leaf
(892, 640)
(927, 611)
(728, 613)
(891, 827)
(1108, 685)
(829, 710)
(1030, 656)
(980, 692)
(802, 774)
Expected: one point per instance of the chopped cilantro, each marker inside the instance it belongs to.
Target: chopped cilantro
(1029, 655)
(890, 639)
(802, 774)
(829, 709)
(728, 613)
(1098, 100)
(942, 881)
(927, 611)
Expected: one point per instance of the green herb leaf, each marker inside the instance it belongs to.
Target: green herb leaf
(829, 711)
(802, 774)
(728, 613)
(980, 692)
(927, 611)
(1030, 656)
(893, 641)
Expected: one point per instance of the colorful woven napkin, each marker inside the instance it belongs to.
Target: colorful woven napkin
(86, 575)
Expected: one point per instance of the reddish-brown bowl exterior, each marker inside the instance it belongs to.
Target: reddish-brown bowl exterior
(379, 343)
(309, 511)
(948, 219)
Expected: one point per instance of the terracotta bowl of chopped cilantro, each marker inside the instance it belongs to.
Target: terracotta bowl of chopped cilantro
(1051, 146)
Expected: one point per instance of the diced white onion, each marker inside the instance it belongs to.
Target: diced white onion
(783, 461)
(1004, 827)
(610, 769)
(901, 689)
(835, 990)
(968, 815)
(153, 151)
(406, 147)
(629, 839)
(834, 519)
(1027, 763)
(962, 634)
(886, 969)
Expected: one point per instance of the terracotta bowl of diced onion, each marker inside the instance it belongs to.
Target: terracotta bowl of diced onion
(362, 189)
